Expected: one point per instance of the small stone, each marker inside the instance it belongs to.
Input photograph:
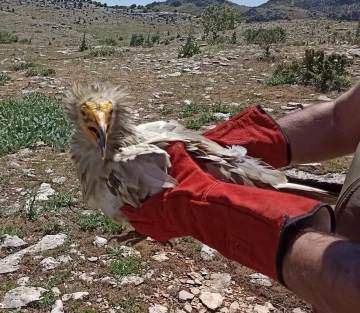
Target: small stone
(224, 310)
(56, 291)
(99, 241)
(23, 281)
(8, 241)
(195, 291)
(93, 259)
(234, 307)
(45, 191)
(160, 257)
(86, 278)
(211, 300)
(132, 279)
(269, 306)
(21, 297)
(11, 164)
(75, 296)
(58, 307)
(49, 264)
(176, 74)
(297, 310)
(59, 180)
(261, 309)
(207, 253)
(184, 295)
(260, 279)
(188, 308)
(157, 308)
(64, 259)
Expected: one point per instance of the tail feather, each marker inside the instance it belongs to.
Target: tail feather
(309, 192)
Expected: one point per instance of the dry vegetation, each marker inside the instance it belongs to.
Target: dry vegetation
(40, 57)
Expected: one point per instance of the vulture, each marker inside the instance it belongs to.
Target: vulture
(118, 162)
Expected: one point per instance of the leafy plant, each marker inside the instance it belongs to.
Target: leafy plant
(265, 38)
(97, 220)
(125, 267)
(83, 46)
(325, 72)
(104, 51)
(7, 38)
(34, 118)
(137, 40)
(4, 79)
(39, 70)
(11, 230)
(216, 20)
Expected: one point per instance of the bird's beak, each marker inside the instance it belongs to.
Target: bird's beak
(101, 140)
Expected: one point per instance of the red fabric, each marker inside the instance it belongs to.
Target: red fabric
(258, 133)
(244, 224)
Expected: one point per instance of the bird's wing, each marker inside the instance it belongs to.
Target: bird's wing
(139, 171)
(227, 163)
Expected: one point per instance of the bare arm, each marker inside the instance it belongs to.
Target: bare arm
(324, 131)
(325, 272)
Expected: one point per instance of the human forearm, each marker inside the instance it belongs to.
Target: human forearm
(324, 131)
(324, 271)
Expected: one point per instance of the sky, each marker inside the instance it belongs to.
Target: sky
(250, 3)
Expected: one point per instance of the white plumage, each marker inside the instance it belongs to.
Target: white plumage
(134, 165)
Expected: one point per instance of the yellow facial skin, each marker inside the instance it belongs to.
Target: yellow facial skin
(96, 120)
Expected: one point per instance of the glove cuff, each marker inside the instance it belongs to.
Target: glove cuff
(258, 132)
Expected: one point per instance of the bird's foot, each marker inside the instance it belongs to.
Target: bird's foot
(130, 239)
(133, 237)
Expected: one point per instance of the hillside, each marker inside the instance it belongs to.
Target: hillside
(334, 9)
(348, 10)
(194, 7)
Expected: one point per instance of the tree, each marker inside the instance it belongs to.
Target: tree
(133, 6)
(216, 20)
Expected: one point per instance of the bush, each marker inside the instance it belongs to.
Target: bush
(189, 49)
(4, 79)
(137, 40)
(34, 118)
(324, 72)
(265, 38)
(104, 51)
(216, 20)
(7, 38)
(109, 42)
(39, 70)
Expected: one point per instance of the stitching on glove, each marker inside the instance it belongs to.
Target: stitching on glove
(208, 190)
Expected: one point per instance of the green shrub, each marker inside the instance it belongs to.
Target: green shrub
(189, 49)
(39, 70)
(137, 40)
(4, 79)
(325, 72)
(265, 38)
(104, 51)
(109, 42)
(34, 118)
(7, 38)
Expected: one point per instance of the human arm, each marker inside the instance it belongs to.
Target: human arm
(324, 271)
(324, 131)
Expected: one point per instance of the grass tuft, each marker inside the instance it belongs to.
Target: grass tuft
(34, 118)
(4, 79)
(96, 221)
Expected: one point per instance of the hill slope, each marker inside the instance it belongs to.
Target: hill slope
(334, 9)
(272, 10)
(194, 7)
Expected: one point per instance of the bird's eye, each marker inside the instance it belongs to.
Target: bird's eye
(94, 131)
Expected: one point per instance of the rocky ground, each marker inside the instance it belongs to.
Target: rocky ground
(54, 254)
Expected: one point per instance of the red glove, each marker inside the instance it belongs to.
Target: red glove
(257, 132)
(244, 224)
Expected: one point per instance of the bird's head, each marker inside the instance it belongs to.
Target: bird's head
(96, 119)
(97, 111)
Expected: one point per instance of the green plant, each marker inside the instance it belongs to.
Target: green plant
(83, 46)
(325, 72)
(125, 267)
(216, 20)
(190, 47)
(59, 278)
(97, 220)
(137, 40)
(104, 51)
(34, 118)
(39, 70)
(265, 38)
(4, 79)
(47, 300)
(166, 111)
(11, 230)
(109, 42)
(7, 38)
